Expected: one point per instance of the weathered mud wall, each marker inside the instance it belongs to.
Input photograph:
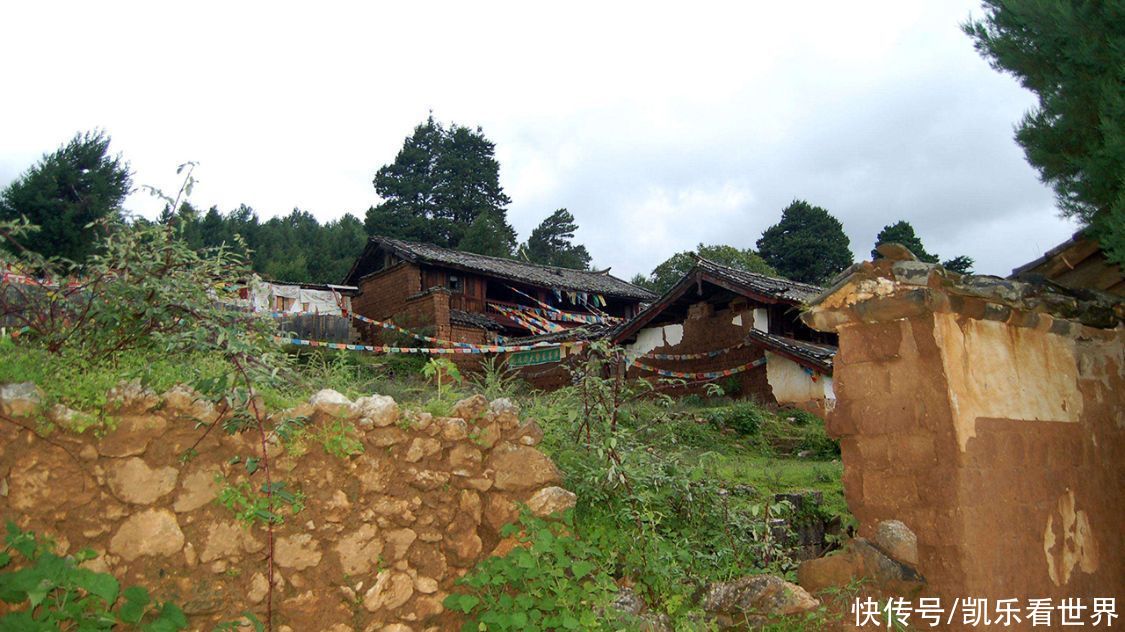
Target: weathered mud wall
(380, 541)
(992, 429)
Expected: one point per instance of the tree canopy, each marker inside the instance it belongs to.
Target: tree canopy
(440, 183)
(807, 245)
(672, 269)
(901, 232)
(1071, 54)
(552, 243)
(66, 190)
(295, 247)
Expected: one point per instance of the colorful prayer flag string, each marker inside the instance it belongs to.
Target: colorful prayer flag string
(708, 375)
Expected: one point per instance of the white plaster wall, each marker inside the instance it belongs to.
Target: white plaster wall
(792, 385)
(652, 337)
(761, 319)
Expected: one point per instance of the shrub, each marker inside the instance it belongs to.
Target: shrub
(745, 418)
(554, 581)
(61, 595)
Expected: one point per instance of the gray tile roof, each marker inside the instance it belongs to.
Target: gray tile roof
(777, 287)
(819, 356)
(532, 274)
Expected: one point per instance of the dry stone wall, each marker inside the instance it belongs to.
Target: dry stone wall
(381, 539)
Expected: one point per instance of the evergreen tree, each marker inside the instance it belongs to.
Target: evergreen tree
(489, 235)
(672, 269)
(77, 184)
(1071, 54)
(441, 181)
(902, 233)
(551, 243)
(961, 264)
(807, 245)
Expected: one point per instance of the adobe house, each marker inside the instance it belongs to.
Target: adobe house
(466, 297)
(735, 320)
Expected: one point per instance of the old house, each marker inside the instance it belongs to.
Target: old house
(466, 297)
(738, 329)
(1078, 263)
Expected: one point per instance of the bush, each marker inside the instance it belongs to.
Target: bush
(554, 581)
(745, 418)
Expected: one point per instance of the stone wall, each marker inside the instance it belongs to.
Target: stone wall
(380, 541)
(991, 427)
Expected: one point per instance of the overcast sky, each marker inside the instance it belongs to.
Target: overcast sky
(658, 125)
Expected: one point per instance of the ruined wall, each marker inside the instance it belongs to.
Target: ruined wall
(793, 385)
(992, 429)
(378, 545)
(706, 329)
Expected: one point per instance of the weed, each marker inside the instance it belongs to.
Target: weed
(62, 595)
(340, 438)
(264, 506)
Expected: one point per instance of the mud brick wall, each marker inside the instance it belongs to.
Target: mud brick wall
(991, 428)
(706, 329)
(383, 295)
(381, 539)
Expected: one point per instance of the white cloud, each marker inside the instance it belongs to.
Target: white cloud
(658, 125)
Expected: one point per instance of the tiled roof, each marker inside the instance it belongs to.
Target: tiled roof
(776, 287)
(819, 356)
(471, 319)
(532, 274)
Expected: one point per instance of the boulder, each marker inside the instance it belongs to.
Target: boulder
(196, 490)
(890, 575)
(833, 571)
(375, 411)
(523, 468)
(550, 500)
(330, 402)
(420, 448)
(133, 481)
(896, 540)
(398, 543)
(149, 532)
(132, 396)
(750, 601)
(22, 399)
(228, 540)
(506, 413)
(528, 433)
(298, 552)
(470, 408)
(132, 435)
(461, 543)
(359, 551)
(391, 590)
(186, 402)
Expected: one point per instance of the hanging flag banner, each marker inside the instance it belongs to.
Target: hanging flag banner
(478, 349)
(416, 336)
(709, 375)
(692, 356)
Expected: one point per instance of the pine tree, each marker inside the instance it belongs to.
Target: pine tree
(441, 181)
(551, 243)
(902, 233)
(489, 235)
(65, 191)
(1071, 54)
(807, 245)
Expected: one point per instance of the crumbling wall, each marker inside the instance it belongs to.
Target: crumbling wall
(707, 329)
(380, 541)
(993, 429)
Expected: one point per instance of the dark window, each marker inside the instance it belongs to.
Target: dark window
(454, 283)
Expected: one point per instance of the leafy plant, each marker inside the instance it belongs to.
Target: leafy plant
(553, 581)
(495, 379)
(265, 505)
(340, 438)
(61, 595)
(437, 369)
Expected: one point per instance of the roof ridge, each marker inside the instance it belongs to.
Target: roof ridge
(554, 269)
(758, 274)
